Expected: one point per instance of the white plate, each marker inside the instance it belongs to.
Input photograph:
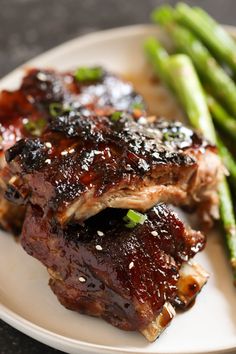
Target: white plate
(26, 300)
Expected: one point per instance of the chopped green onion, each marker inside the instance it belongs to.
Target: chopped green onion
(133, 217)
(130, 224)
(167, 137)
(137, 105)
(56, 109)
(170, 135)
(116, 116)
(35, 127)
(85, 74)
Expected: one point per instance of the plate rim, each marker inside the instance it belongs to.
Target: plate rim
(43, 335)
(19, 322)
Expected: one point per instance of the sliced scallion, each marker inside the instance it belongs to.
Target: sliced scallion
(133, 217)
(57, 109)
(137, 105)
(171, 135)
(116, 116)
(35, 127)
(84, 74)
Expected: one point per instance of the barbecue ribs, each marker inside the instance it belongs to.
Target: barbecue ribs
(78, 156)
(42, 94)
(129, 277)
(84, 163)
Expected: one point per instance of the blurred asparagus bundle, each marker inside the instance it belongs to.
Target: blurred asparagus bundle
(202, 47)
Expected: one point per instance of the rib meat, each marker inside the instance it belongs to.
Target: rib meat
(129, 277)
(84, 163)
(41, 88)
(81, 171)
(26, 111)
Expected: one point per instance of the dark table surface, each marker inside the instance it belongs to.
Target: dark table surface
(29, 27)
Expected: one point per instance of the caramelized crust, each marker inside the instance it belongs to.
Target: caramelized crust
(86, 160)
(26, 112)
(40, 88)
(82, 164)
(108, 270)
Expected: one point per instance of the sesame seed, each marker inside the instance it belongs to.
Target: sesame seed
(82, 279)
(131, 265)
(156, 155)
(142, 120)
(100, 233)
(48, 161)
(98, 247)
(42, 77)
(156, 211)
(63, 153)
(48, 145)
(25, 120)
(154, 233)
(12, 180)
(71, 151)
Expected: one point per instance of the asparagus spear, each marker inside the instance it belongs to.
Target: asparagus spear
(193, 103)
(211, 33)
(164, 14)
(179, 73)
(228, 218)
(221, 85)
(229, 162)
(181, 76)
(158, 56)
(190, 93)
(221, 118)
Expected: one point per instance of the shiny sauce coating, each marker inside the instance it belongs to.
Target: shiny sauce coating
(127, 274)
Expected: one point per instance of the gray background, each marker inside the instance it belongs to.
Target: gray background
(29, 27)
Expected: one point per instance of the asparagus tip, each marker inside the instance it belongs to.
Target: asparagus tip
(163, 14)
(182, 5)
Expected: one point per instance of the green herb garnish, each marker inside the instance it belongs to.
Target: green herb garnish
(84, 74)
(35, 127)
(57, 109)
(133, 217)
(137, 105)
(116, 116)
(171, 135)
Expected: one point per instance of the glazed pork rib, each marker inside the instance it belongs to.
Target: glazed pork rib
(84, 163)
(96, 154)
(26, 111)
(129, 277)
(44, 93)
